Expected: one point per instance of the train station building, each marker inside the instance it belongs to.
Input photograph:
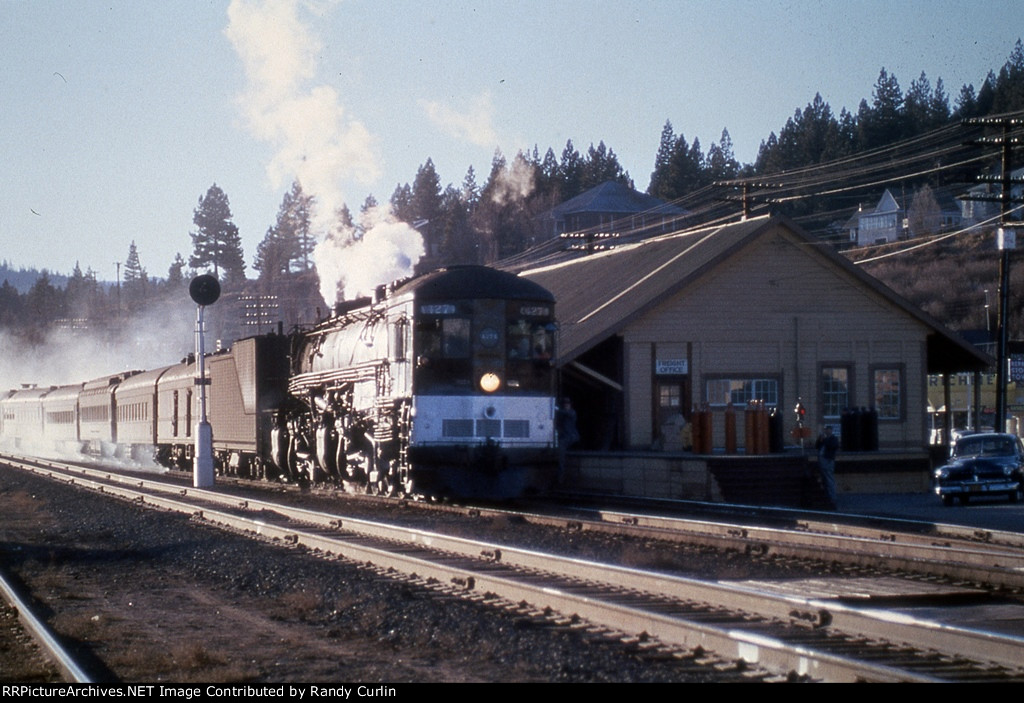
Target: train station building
(720, 317)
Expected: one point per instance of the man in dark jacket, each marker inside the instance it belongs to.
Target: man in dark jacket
(828, 446)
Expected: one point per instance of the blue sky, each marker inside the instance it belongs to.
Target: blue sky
(118, 115)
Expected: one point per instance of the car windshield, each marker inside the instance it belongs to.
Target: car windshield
(984, 446)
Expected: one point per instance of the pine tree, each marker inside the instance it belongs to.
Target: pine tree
(570, 168)
(295, 223)
(722, 164)
(401, 203)
(176, 272)
(44, 302)
(966, 103)
(425, 208)
(272, 255)
(289, 244)
(470, 189)
(216, 243)
(135, 279)
(1009, 86)
(425, 197)
(345, 223)
(884, 121)
(661, 176)
(600, 166)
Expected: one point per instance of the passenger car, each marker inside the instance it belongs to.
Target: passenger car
(981, 465)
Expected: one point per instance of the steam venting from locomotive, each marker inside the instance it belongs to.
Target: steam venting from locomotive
(318, 143)
(351, 266)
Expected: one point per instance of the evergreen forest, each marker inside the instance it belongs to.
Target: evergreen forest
(818, 168)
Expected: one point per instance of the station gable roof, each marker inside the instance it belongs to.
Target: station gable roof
(598, 295)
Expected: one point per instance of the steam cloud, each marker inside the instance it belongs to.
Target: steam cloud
(475, 125)
(149, 341)
(351, 266)
(514, 183)
(316, 142)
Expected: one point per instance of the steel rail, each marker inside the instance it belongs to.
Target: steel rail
(852, 524)
(43, 635)
(872, 624)
(888, 530)
(966, 559)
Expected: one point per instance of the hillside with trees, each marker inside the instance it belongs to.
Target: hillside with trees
(818, 168)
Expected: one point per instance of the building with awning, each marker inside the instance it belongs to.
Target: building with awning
(724, 315)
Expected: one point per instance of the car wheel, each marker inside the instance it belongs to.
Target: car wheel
(965, 499)
(947, 501)
(1015, 495)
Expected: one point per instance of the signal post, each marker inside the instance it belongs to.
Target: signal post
(204, 290)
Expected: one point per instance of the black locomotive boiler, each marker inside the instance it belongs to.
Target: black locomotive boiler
(444, 385)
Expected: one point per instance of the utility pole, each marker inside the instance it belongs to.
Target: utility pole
(1006, 241)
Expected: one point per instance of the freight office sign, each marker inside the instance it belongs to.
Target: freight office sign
(671, 367)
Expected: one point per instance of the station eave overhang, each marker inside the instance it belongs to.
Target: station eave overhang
(947, 354)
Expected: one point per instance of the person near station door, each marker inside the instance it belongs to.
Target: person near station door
(828, 446)
(568, 435)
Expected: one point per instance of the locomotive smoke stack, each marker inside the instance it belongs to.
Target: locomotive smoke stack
(343, 306)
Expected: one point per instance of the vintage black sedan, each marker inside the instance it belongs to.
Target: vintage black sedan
(982, 465)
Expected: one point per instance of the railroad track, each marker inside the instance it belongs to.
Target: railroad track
(987, 558)
(36, 628)
(788, 634)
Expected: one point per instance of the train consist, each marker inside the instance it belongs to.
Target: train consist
(441, 385)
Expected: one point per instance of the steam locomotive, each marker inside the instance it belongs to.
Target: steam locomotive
(441, 385)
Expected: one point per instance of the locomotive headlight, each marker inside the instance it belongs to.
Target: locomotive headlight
(490, 382)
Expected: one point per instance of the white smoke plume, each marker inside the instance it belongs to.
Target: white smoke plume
(514, 182)
(475, 125)
(146, 341)
(316, 142)
(349, 266)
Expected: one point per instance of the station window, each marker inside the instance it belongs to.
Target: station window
(887, 384)
(835, 391)
(740, 391)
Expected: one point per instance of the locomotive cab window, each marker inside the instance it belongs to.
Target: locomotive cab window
(530, 350)
(443, 359)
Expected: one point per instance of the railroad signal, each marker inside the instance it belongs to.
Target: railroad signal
(204, 290)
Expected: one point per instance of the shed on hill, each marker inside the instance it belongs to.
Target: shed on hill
(755, 310)
(611, 210)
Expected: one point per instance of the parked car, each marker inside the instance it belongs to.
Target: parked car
(981, 465)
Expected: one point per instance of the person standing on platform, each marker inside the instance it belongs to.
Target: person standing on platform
(828, 446)
(568, 435)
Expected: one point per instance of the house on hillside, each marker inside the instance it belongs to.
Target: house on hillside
(608, 213)
(982, 203)
(894, 218)
(885, 223)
